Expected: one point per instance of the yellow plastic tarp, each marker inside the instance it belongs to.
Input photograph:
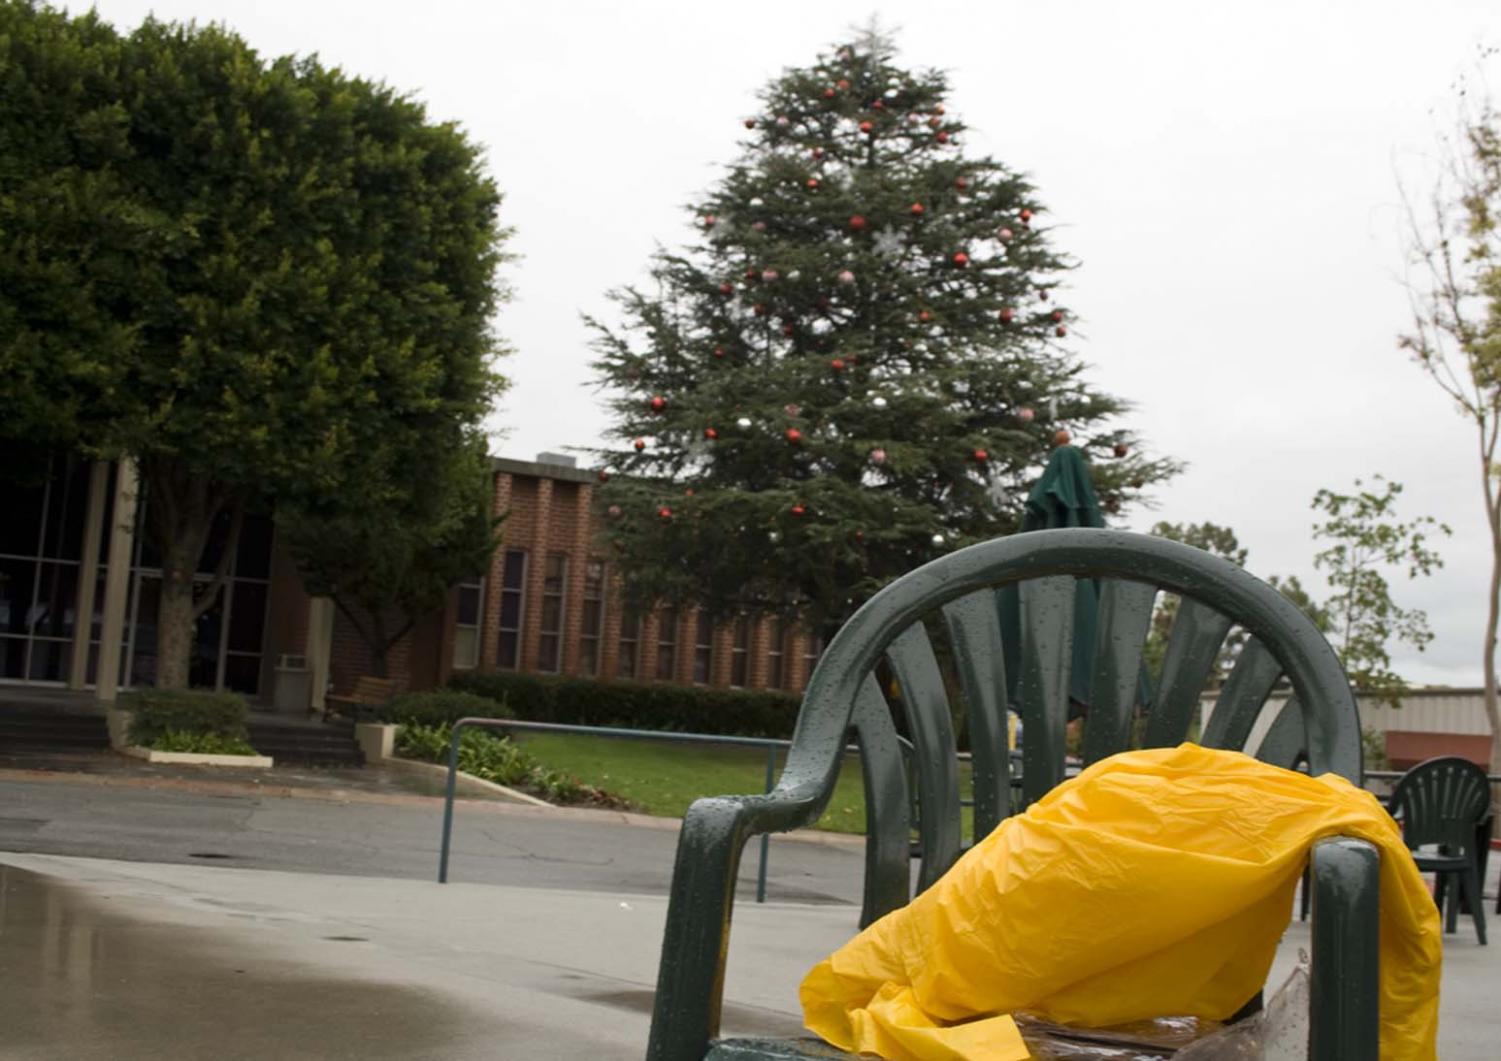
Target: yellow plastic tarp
(1155, 883)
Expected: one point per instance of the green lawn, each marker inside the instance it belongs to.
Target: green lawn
(662, 778)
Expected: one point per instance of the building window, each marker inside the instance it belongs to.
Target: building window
(466, 623)
(703, 648)
(776, 669)
(740, 653)
(593, 625)
(667, 645)
(630, 645)
(512, 600)
(813, 648)
(550, 643)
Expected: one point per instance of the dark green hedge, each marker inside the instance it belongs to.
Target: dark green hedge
(437, 707)
(636, 705)
(183, 711)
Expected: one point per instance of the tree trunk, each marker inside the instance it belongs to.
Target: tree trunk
(181, 509)
(175, 626)
(1493, 613)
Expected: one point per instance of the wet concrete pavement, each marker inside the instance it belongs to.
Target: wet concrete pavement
(102, 959)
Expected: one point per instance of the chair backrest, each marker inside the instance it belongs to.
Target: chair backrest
(1441, 801)
(962, 595)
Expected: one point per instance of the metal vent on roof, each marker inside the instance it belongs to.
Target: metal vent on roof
(559, 459)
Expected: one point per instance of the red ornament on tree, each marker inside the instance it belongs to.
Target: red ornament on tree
(934, 123)
(719, 351)
(837, 364)
(842, 85)
(603, 476)
(664, 513)
(750, 123)
(828, 93)
(924, 316)
(1042, 293)
(813, 184)
(1026, 216)
(613, 511)
(857, 223)
(961, 259)
(877, 106)
(759, 309)
(1008, 315)
(1121, 449)
(916, 209)
(1025, 414)
(867, 127)
(658, 403)
(640, 444)
(942, 137)
(981, 456)
(938, 109)
(793, 435)
(788, 330)
(1061, 437)
(961, 183)
(726, 289)
(710, 434)
(817, 153)
(1060, 331)
(752, 275)
(1005, 235)
(878, 456)
(1057, 315)
(799, 510)
(709, 220)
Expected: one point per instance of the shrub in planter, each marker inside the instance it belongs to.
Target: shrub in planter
(432, 707)
(637, 705)
(495, 758)
(201, 744)
(157, 711)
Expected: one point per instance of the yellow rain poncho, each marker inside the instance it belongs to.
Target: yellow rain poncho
(1155, 883)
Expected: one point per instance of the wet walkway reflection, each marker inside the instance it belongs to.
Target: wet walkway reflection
(78, 981)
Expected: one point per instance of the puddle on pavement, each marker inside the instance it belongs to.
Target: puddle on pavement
(80, 981)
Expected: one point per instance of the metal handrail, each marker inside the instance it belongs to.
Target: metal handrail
(770, 744)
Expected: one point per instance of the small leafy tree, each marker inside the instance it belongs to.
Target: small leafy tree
(1365, 540)
(386, 565)
(1453, 242)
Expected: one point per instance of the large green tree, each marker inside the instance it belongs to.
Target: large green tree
(860, 365)
(246, 275)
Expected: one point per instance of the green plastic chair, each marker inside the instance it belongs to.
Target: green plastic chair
(1319, 725)
(1444, 801)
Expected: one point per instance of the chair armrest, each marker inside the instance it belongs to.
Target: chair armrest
(690, 980)
(1345, 990)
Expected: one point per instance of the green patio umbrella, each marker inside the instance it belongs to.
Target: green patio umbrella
(1063, 496)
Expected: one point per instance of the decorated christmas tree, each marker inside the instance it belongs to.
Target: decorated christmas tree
(861, 364)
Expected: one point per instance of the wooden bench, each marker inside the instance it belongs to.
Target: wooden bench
(963, 591)
(367, 697)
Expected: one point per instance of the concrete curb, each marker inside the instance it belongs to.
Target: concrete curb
(151, 755)
(466, 782)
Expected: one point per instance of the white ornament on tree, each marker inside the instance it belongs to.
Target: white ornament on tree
(889, 243)
(743, 422)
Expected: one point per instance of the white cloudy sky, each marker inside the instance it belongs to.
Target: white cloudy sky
(1223, 172)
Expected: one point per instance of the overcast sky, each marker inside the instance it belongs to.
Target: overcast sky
(1223, 173)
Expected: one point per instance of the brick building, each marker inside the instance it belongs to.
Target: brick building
(550, 604)
(79, 588)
